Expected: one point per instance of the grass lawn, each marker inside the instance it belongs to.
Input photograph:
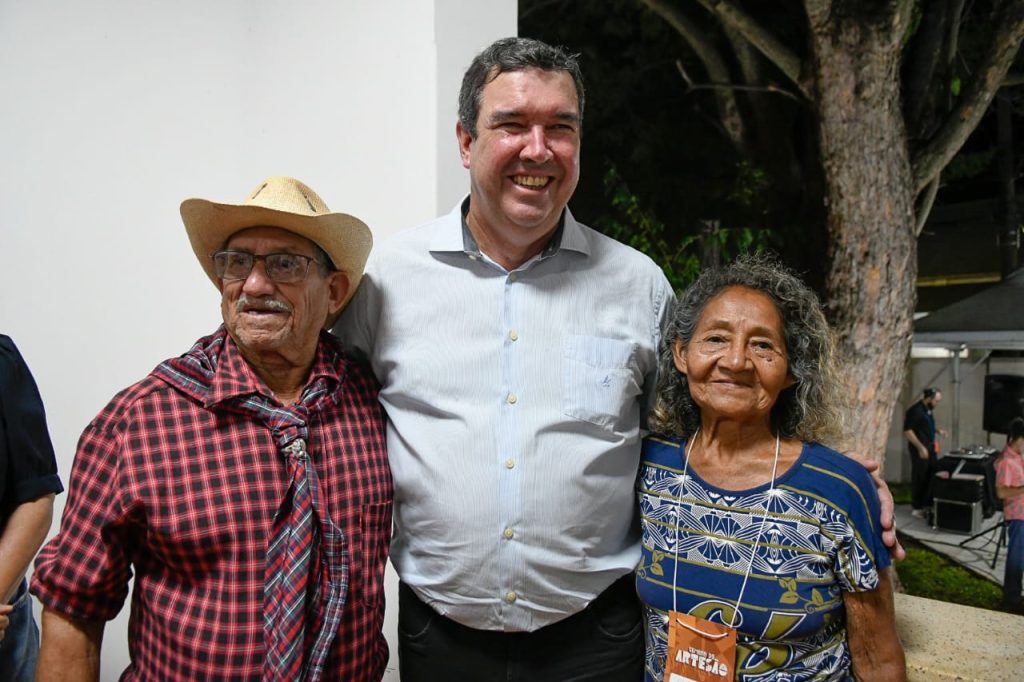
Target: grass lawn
(925, 573)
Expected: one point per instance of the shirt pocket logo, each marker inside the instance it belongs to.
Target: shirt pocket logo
(599, 380)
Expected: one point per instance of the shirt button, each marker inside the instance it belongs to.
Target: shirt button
(512, 277)
(514, 335)
(508, 534)
(473, 256)
(510, 463)
(512, 399)
(510, 597)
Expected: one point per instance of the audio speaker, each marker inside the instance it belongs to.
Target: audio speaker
(955, 516)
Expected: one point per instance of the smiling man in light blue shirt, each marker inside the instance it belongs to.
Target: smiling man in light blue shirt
(516, 349)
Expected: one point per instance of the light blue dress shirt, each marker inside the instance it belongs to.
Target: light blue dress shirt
(515, 402)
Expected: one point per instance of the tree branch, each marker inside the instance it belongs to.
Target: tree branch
(730, 14)
(927, 66)
(924, 205)
(746, 56)
(718, 71)
(773, 89)
(751, 67)
(904, 10)
(962, 120)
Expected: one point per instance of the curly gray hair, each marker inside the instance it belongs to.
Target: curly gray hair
(812, 408)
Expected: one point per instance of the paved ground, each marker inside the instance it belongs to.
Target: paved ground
(975, 555)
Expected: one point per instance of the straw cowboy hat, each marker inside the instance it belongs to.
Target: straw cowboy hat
(290, 205)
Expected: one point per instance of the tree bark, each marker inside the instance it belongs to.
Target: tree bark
(855, 55)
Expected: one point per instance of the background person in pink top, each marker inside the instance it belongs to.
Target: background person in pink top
(1010, 488)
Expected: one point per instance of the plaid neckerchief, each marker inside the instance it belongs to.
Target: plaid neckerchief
(306, 579)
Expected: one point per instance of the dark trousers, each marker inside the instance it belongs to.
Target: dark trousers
(921, 473)
(602, 643)
(1014, 565)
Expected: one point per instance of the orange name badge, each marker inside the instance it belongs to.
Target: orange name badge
(699, 650)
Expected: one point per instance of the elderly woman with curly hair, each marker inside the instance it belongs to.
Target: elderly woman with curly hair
(762, 550)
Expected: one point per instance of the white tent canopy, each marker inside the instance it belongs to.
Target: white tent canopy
(989, 320)
(992, 319)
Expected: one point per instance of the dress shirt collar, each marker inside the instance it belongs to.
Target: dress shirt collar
(458, 237)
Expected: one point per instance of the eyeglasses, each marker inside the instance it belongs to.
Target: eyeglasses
(285, 268)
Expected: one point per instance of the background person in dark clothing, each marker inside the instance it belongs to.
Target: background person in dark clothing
(28, 483)
(919, 429)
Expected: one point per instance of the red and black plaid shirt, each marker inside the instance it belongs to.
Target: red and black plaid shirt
(184, 491)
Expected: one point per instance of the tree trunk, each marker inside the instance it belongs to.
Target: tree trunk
(855, 61)
(1008, 237)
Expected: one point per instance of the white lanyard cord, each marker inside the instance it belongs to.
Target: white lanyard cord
(757, 541)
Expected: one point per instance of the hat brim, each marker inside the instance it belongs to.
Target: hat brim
(346, 239)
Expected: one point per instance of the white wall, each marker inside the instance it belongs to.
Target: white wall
(116, 110)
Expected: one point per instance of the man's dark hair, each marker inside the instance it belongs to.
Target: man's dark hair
(930, 392)
(512, 54)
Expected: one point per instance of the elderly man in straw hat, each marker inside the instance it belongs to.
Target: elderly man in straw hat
(245, 482)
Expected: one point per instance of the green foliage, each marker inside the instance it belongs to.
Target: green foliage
(925, 573)
(631, 223)
(679, 255)
(750, 186)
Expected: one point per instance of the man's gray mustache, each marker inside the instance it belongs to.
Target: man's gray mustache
(272, 304)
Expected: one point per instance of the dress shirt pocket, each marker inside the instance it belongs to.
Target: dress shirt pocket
(375, 535)
(599, 379)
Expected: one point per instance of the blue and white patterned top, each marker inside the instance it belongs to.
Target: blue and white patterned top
(822, 538)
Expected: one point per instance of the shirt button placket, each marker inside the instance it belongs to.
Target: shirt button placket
(509, 495)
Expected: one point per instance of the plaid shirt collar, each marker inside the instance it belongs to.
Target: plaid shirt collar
(214, 373)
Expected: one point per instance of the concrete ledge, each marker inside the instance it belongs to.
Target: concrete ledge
(946, 641)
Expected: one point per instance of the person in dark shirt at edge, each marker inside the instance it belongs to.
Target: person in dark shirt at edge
(28, 484)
